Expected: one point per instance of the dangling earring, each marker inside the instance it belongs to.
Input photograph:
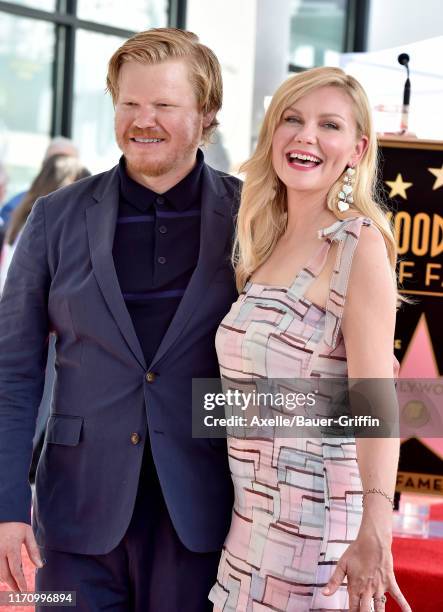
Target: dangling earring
(345, 195)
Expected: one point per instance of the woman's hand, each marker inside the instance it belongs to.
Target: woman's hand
(367, 563)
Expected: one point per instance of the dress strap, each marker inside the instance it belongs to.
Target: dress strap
(309, 272)
(316, 264)
(347, 235)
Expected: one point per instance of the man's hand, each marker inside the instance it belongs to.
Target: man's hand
(12, 537)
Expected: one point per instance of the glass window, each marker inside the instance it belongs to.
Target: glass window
(142, 15)
(317, 30)
(26, 65)
(93, 113)
(43, 5)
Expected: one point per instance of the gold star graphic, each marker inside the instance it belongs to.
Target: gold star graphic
(398, 187)
(437, 172)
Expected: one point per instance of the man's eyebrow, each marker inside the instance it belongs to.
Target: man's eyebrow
(292, 108)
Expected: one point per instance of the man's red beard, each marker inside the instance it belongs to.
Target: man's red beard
(154, 167)
(138, 163)
(150, 167)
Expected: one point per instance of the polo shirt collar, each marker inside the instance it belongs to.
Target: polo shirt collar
(182, 196)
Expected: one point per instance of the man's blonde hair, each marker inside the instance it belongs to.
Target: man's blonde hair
(161, 44)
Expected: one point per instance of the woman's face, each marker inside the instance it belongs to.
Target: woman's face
(322, 126)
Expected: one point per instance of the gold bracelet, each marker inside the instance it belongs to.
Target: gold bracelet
(380, 492)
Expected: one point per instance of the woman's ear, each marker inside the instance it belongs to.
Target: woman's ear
(359, 150)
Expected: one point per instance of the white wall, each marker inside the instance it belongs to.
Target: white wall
(228, 28)
(251, 40)
(396, 22)
(271, 55)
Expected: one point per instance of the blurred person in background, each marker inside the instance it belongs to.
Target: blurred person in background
(3, 182)
(57, 146)
(58, 170)
(216, 154)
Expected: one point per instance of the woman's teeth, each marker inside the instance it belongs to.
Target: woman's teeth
(304, 159)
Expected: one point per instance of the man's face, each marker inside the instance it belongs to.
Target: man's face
(158, 125)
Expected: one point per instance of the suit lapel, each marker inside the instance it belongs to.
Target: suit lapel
(101, 219)
(215, 230)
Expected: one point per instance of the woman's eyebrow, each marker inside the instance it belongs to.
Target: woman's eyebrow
(333, 115)
(295, 110)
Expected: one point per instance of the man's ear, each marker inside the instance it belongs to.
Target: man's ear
(208, 118)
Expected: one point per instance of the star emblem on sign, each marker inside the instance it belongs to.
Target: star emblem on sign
(438, 173)
(398, 187)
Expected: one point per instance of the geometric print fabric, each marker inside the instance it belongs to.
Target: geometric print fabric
(297, 500)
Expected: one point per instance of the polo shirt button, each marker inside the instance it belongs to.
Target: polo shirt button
(135, 438)
(160, 200)
(150, 377)
(163, 229)
(161, 260)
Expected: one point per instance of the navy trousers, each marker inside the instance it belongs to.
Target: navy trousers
(149, 571)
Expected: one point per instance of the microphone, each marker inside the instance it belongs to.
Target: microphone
(403, 60)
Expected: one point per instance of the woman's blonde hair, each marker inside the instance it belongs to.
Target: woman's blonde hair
(262, 215)
(161, 44)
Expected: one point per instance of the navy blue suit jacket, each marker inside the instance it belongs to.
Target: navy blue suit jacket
(62, 278)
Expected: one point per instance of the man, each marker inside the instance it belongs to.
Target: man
(131, 270)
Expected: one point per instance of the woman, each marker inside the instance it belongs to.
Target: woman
(318, 258)
(57, 171)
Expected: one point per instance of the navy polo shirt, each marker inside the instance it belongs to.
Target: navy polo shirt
(156, 247)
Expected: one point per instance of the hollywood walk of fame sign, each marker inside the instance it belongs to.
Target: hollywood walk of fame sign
(412, 176)
(411, 172)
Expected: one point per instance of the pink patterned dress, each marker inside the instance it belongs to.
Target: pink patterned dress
(298, 502)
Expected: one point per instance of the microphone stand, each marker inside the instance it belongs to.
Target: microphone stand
(403, 59)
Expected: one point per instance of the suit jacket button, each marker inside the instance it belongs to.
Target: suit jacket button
(150, 377)
(135, 438)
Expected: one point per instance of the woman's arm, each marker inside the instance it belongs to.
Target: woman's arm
(368, 330)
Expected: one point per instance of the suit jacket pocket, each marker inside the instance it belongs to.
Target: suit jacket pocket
(64, 429)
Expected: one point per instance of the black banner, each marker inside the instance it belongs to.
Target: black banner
(412, 176)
